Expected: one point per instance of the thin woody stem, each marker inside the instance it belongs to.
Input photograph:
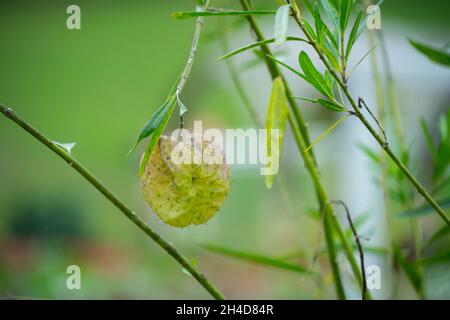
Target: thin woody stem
(119, 204)
(420, 188)
(360, 248)
(192, 53)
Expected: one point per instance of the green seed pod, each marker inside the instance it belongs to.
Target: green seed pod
(185, 192)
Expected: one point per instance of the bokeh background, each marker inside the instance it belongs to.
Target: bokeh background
(97, 86)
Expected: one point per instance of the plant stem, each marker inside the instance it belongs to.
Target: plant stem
(420, 188)
(119, 204)
(381, 115)
(359, 246)
(187, 69)
(303, 141)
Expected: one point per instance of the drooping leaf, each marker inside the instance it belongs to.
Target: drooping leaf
(159, 126)
(68, 146)
(256, 258)
(354, 34)
(154, 121)
(256, 44)
(276, 118)
(313, 76)
(194, 14)
(409, 268)
(281, 24)
(436, 55)
(346, 9)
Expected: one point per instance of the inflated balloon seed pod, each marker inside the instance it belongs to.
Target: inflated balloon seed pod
(185, 193)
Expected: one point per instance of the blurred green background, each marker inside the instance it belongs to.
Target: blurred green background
(97, 86)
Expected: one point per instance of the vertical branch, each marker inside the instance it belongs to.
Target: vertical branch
(360, 248)
(187, 69)
(119, 204)
(381, 114)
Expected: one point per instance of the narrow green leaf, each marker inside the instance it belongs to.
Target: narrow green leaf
(360, 60)
(437, 55)
(409, 268)
(68, 146)
(255, 258)
(320, 26)
(423, 210)
(333, 106)
(334, 125)
(331, 58)
(256, 44)
(281, 24)
(313, 76)
(163, 118)
(353, 35)
(346, 9)
(276, 119)
(332, 14)
(194, 14)
(154, 121)
(309, 29)
(287, 67)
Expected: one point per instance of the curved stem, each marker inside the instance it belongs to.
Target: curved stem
(420, 188)
(119, 204)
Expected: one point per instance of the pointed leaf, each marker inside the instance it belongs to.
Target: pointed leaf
(194, 14)
(353, 35)
(436, 55)
(333, 106)
(287, 67)
(154, 121)
(256, 258)
(346, 9)
(276, 119)
(256, 44)
(159, 128)
(314, 77)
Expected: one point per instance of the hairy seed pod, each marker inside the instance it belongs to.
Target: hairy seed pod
(185, 182)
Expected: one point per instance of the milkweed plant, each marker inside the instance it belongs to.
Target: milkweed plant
(189, 194)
